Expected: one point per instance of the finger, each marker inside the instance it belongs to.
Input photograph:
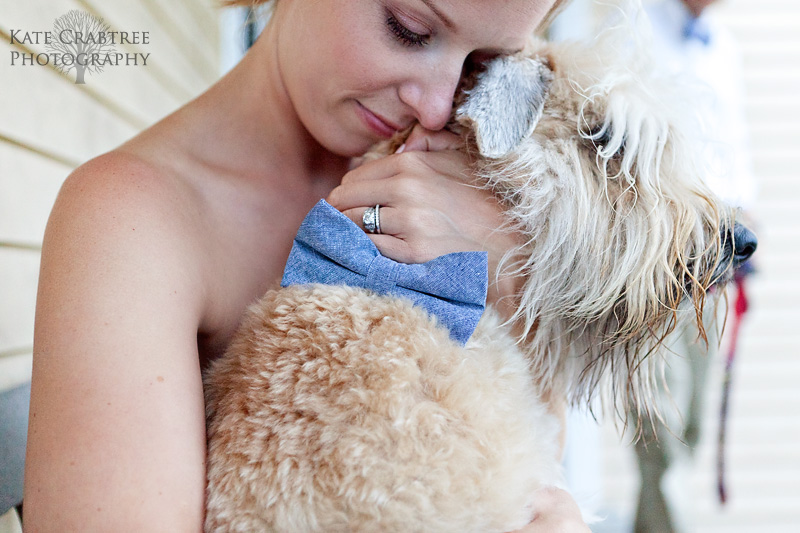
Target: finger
(349, 196)
(555, 510)
(375, 169)
(448, 161)
(424, 140)
(396, 249)
(387, 215)
(394, 242)
(555, 501)
(452, 163)
(427, 167)
(434, 191)
(402, 251)
(412, 180)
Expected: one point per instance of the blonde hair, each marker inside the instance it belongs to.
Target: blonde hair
(558, 6)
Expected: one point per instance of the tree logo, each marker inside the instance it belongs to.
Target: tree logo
(80, 42)
(83, 38)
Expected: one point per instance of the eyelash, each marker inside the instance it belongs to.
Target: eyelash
(403, 34)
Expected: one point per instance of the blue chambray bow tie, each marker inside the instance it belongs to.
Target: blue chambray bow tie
(331, 249)
(697, 29)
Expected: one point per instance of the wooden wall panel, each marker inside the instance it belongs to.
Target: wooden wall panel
(14, 370)
(49, 125)
(27, 193)
(182, 30)
(134, 16)
(204, 13)
(19, 272)
(143, 92)
(44, 110)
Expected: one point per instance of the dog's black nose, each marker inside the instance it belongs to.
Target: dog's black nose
(745, 243)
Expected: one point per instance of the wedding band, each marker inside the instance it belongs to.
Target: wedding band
(372, 219)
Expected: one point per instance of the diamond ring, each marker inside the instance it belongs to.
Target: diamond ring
(372, 219)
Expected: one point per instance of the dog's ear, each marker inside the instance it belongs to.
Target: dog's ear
(506, 103)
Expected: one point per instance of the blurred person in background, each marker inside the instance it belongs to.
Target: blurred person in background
(689, 42)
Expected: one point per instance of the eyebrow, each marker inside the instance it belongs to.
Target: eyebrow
(447, 22)
(451, 26)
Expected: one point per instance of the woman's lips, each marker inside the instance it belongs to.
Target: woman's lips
(375, 123)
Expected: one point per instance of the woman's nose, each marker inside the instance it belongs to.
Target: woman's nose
(431, 96)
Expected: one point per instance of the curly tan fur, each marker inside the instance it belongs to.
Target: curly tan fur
(339, 410)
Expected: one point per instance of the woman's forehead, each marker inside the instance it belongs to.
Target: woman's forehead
(500, 23)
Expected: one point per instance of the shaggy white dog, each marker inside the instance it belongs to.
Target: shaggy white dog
(336, 409)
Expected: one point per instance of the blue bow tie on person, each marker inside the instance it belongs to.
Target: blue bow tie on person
(331, 249)
(698, 30)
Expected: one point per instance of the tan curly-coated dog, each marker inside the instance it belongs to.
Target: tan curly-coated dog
(336, 409)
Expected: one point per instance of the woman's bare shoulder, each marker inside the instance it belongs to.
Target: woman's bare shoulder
(116, 391)
(208, 224)
(125, 179)
(113, 196)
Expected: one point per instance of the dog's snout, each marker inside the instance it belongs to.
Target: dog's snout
(744, 243)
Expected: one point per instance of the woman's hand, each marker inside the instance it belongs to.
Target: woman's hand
(431, 205)
(556, 512)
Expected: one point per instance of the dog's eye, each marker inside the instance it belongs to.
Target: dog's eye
(601, 136)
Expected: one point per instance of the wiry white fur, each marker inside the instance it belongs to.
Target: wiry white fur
(620, 226)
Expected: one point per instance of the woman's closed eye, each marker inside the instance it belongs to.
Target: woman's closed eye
(405, 35)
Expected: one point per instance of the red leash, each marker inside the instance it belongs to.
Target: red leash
(740, 308)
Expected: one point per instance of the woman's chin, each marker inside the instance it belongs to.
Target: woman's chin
(352, 148)
(352, 139)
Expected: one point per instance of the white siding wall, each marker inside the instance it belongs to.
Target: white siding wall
(49, 125)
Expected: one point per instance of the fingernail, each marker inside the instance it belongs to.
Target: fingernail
(401, 149)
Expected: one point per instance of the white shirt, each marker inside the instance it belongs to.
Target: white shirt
(714, 73)
(720, 89)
